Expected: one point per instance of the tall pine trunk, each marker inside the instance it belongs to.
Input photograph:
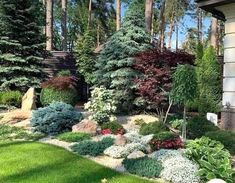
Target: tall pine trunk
(89, 14)
(199, 25)
(148, 14)
(64, 4)
(214, 33)
(163, 25)
(118, 14)
(172, 24)
(49, 24)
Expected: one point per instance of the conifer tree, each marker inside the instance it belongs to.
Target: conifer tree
(85, 56)
(116, 59)
(21, 44)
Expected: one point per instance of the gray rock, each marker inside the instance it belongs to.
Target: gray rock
(136, 154)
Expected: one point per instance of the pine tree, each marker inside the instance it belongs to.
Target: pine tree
(21, 44)
(85, 56)
(116, 59)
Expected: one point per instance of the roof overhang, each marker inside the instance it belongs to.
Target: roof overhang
(210, 6)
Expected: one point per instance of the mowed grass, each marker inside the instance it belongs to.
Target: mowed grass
(29, 162)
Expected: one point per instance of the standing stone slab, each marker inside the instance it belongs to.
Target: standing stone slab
(29, 100)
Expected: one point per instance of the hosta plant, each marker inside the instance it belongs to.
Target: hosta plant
(102, 105)
(213, 159)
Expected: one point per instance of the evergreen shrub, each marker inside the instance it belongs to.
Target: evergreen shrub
(11, 98)
(59, 89)
(56, 118)
(152, 128)
(93, 148)
(198, 126)
(144, 166)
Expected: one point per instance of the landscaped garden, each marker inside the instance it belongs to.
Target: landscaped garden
(146, 116)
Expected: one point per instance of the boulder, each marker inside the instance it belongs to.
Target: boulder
(136, 154)
(120, 140)
(86, 126)
(16, 116)
(29, 100)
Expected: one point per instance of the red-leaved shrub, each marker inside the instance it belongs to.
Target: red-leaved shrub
(156, 68)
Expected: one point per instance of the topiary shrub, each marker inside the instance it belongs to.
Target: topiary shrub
(144, 166)
(59, 89)
(112, 128)
(198, 126)
(152, 128)
(213, 159)
(227, 138)
(73, 137)
(166, 140)
(93, 148)
(56, 118)
(11, 98)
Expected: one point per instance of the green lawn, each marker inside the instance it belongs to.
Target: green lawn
(29, 162)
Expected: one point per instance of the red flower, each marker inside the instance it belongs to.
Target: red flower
(106, 131)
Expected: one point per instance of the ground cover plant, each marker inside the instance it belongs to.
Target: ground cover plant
(152, 128)
(47, 163)
(112, 128)
(144, 166)
(73, 137)
(56, 118)
(213, 159)
(11, 98)
(93, 148)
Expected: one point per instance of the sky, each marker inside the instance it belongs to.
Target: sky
(186, 23)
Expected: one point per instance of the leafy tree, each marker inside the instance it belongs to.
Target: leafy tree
(116, 59)
(184, 88)
(22, 44)
(209, 81)
(85, 57)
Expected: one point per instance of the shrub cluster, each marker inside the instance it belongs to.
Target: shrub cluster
(198, 126)
(59, 89)
(93, 148)
(166, 140)
(213, 159)
(73, 137)
(152, 128)
(144, 166)
(112, 128)
(176, 167)
(11, 98)
(56, 118)
(102, 105)
(227, 138)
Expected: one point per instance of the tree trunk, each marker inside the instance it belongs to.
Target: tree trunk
(118, 14)
(214, 33)
(49, 25)
(184, 125)
(163, 25)
(64, 4)
(89, 14)
(177, 36)
(171, 33)
(98, 35)
(148, 14)
(199, 24)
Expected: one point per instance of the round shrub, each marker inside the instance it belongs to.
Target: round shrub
(198, 126)
(73, 137)
(144, 166)
(11, 98)
(227, 138)
(113, 128)
(93, 148)
(166, 140)
(56, 118)
(59, 89)
(176, 124)
(152, 128)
